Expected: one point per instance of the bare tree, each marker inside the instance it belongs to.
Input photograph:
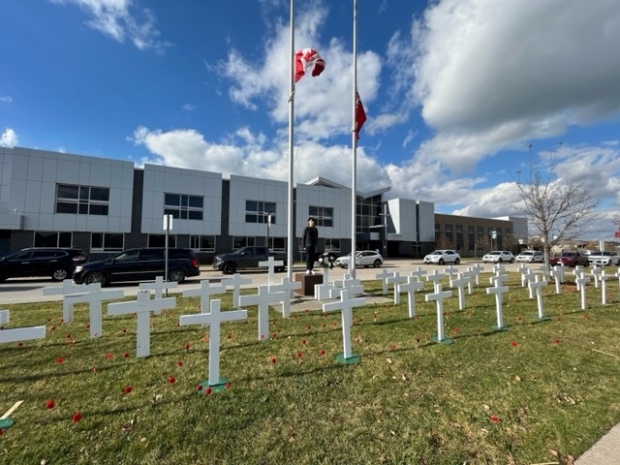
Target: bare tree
(557, 208)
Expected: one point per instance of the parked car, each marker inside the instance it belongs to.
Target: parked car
(531, 256)
(604, 258)
(139, 265)
(443, 256)
(499, 256)
(363, 258)
(57, 263)
(570, 259)
(246, 258)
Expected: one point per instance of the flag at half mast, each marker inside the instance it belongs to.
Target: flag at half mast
(360, 115)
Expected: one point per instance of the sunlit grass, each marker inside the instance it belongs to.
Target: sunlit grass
(541, 391)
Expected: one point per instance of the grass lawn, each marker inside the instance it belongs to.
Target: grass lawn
(543, 391)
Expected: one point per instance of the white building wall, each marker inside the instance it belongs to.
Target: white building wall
(402, 215)
(159, 180)
(427, 221)
(244, 188)
(30, 189)
(322, 196)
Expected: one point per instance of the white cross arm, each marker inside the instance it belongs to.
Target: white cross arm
(438, 296)
(122, 308)
(206, 318)
(22, 334)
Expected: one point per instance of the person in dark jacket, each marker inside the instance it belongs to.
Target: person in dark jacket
(311, 241)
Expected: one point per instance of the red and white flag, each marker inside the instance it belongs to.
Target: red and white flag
(306, 59)
(360, 115)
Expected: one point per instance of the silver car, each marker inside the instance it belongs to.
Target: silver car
(499, 256)
(531, 256)
(442, 257)
(363, 258)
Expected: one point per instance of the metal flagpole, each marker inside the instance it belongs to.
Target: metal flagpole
(354, 146)
(291, 231)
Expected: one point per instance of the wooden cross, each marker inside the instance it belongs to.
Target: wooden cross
(537, 285)
(159, 286)
(213, 318)
(287, 286)
(396, 280)
(236, 281)
(410, 288)
(460, 284)
(383, 276)
(143, 307)
(262, 300)
(499, 291)
(345, 305)
(439, 296)
(581, 282)
(19, 334)
(271, 264)
(205, 291)
(436, 276)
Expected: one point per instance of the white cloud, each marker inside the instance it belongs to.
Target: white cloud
(119, 20)
(6, 99)
(9, 138)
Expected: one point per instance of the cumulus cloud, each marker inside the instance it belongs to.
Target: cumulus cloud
(9, 138)
(119, 20)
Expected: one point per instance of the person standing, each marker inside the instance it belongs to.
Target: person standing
(311, 241)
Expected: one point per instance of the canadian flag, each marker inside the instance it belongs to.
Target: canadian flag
(360, 115)
(306, 59)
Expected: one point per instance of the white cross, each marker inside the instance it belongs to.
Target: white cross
(213, 318)
(383, 276)
(439, 296)
(143, 307)
(577, 273)
(460, 284)
(469, 275)
(476, 270)
(159, 286)
(4, 317)
(523, 270)
(436, 276)
(68, 288)
(322, 291)
(604, 277)
(396, 280)
(537, 285)
(271, 264)
(530, 277)
(345, 305)
(596, 273)
(499, 291)
(501, 278)
(410, 288)
(450, 271)
(262, 300)
(287, 286)
(418, 273)
(21, 334)
(236, 281)
(617, 275)
(499, 268)
(581, 282)
(352, 285)
(93, 295)
(205, 291)
(558, 275)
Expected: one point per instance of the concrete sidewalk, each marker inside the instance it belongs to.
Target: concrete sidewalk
(605, 452)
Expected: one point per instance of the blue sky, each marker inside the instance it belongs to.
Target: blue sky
(455, 91)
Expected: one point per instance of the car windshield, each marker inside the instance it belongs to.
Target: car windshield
(527, 253)
(494, 253)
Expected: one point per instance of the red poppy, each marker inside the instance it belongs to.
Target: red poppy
(227, 385)
(109, 355)
(127, 389)
(308, 327)
(52, 328)
(262, 336)
(586, 316)
(199, 387)
(321, 352)
(68, 336)
(228, 336)
(125, 354)
(172, 379)
(87, 325)
(394, 346)
(179, 363)
(60, 360)
(94, 369)
(187, 347)
(514, 343)
(50, 404)
(273, 360)
(495, 419)
(208, 391)
(1, 431)
(299, 355)
(303, 342)
(77, 417)
(20, 344)
(556, 341)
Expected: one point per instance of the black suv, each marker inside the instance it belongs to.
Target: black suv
(139, 265)
(58, 263)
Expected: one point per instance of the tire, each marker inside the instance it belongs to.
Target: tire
(512, 260)
(176, 275)
(95, 277)
(60, 274)
(377, 264)
(229, 268)
(457, 261)
(441, 262)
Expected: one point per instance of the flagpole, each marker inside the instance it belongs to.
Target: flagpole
(291, 107)
(354, 147)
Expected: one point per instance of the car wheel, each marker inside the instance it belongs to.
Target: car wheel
(60, 274)
(512, 260)
(94, 278)
(457, 261)
(441, 262)
(176, 276)
(377, 263)
(229, 268)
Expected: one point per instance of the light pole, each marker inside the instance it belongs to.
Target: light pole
(385, 233)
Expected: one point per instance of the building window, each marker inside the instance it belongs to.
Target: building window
(106, 242)
(277, 244)
(332, 245)
(471, 238)
(459, 237)
(82, 200)
(159, 240)
(245, 241)
(258, 211)
(184, 207)
(53, 239)
(202, 243)
(324, 216)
